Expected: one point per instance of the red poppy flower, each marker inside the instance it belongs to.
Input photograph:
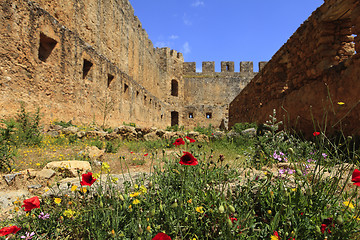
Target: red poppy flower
(276, 235)
(146, 154)
(327, 223)
(161, 236)
(87, 179)
(188, 159)
(31, 203)
(316, 134)
(356, 177)
(8, 230)
(190, 139)
(179, 142)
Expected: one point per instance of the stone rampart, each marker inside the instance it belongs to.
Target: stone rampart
(208, 93)
(71, 59)
(313, 80)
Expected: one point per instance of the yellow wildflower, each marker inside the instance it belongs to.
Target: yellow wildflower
(114, 179)
(143, 189)
(135, 194)
(69, 213)
(105, 167)
(349, 204)
(189, 201)
(136, 201)
(340, 103)
(269, 212)
(73, 188)
(148, 229)
(57, 200)
(136, 186)
(83, 189)
(199, 209)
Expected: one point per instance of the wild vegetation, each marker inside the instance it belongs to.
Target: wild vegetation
(274, 185)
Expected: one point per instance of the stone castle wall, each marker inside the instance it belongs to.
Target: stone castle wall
(311, 76)
(86, 61)
(208, 93)
(79, 61)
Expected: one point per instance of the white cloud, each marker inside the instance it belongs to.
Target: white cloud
(186, 20)
(161, 44)
(186, 48)
(173, 37)
(198, 3)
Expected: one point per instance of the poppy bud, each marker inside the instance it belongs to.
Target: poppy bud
(318, 230)
(101, 204)
(152, 212)
(121, 197)
(229, 223)
(150, 184)
(298, 172)
(140, 230)
(221, 209)
(291, 151)
(339, 220)
(231, 208)
(161, 207)
(175, 204)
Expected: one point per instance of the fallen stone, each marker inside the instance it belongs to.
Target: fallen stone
(70, 130)
(70, 168)
(251, 132)
(45, 173)
(94, 153)
(10, 177)
(35, 186)
(152, 136)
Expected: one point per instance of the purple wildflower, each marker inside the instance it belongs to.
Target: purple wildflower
(28, 236)
(281, 171)
(309, 160)
(290, 171)
(44, 216)
(324, 155)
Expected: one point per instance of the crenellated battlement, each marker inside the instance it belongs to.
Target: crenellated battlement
(226, 67)
(169, 53)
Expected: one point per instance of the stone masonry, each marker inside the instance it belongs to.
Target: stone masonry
(91, 61)
(313, 79)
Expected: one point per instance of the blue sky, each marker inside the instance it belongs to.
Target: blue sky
(230, 30)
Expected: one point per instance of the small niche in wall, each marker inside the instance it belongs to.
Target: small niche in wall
(126, 87)
(208, 115)
(191, 115)
(137, 93)
(86, 67)
(110, 79)
(47, 45)
(174, 88)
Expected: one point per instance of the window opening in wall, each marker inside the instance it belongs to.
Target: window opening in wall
(137, 93)
(227, 67)
(110, 78)
(144, 98)
(86, 67)
(162, 116)
(174, 118)
(47, 44)
(191, 115)
(174, 88)
(126, 87)
(208, 115)
(354, 35)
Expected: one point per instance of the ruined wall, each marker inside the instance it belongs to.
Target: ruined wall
(208, 93)
(311, 75)
(78, 60)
